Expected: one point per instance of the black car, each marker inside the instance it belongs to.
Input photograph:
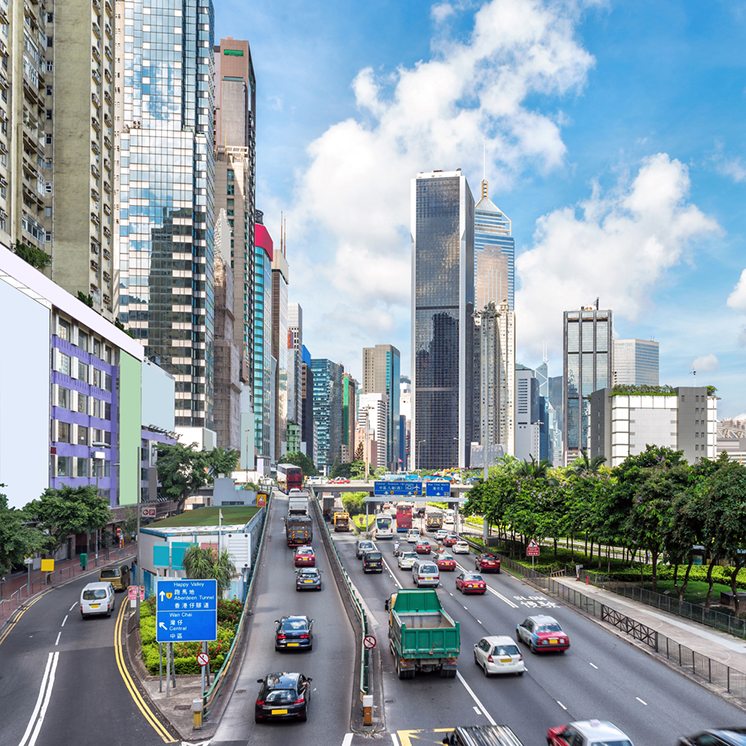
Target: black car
(294, 632)
(283, 696)
(308, 579)
(372, 561)
(716, 737)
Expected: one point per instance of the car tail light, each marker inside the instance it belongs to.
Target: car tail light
(490, 659)
(299, 701)
(304, 636)
(260, 702)
(281, 636)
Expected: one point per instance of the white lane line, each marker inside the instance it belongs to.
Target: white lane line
(391, 572)
(561, 705)
(57, 641)
(479, 621)
(394, 739)
(47, 696)
(491, 590)
(593, 665)
(465, 608)
(46, 685)
(641, 701)
(347, 740)
(475, 698)
(477, 710)
(73, 606)
(63, 621)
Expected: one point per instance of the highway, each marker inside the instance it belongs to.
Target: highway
(59, 680)
(330, 663)
(601, 676)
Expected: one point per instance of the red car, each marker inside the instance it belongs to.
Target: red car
(543, 634)
(449, 540)
(423, 547)
(446, 562)
(305, 557)
(487, 563)
(471, 582)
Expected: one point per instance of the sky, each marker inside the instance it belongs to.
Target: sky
(614, 138)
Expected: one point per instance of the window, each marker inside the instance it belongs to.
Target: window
(64, 466)
(96, 377)
(82, 371)
(63, 432)
(81, 469)
(83, 340)
(82, 404)
(96, 409)
(63, 397)
(82, 435)
(96, 348)
(107, 382)
(63, 329)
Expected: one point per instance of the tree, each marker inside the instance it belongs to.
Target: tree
(341, 470)
(360, 452)
(222, 461)
(17, 539)
(205, 564)
(35, 257)
(300, 459)
(354, 502)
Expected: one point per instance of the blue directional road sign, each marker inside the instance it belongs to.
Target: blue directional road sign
(440, 488)
(400, 487)
(186, 610)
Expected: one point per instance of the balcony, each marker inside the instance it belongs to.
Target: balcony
(95, 100)
(95, 172)
(95, 53)
(94, 266)
(96, 30)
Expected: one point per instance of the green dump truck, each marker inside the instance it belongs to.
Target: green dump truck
(422, 636)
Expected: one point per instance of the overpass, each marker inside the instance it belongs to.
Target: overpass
(335, 489)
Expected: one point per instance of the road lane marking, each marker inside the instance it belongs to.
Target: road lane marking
(63, 621)
(479, 621)
(347, 740)
(73, 606)
(560, 704)
(593, 665)
(40, 708)
(477, 710)
(45, 704)
(475, 698)
(57, 641)
(641, 701)
(394, 739)
(492, 590)
(391, 572)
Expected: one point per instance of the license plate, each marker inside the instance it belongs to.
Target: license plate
(552, 641)
(278, 712)
(308, 581)
(293, 644)
(506, 660)
(95, 606)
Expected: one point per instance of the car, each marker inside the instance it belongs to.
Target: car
(482, 735)
(308, 579)
(441, 533)
(471, 582)
(372, 561)
(362, 546)
(413, 536)
(425, 573)
(304, 557)
(283, 696)
(543, 634)
(445, 562)
(294, 632)
(587, 733)
(716, 737)
(423, 546)
(406, 560)
(97, 599)
(450, 540)
(487, 563)
(117, 575)
(460, 547)
(499, 654)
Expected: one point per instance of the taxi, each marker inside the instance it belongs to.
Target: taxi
(542, 634)
(445, 562)
(305, 557)
(423, 546)
(471, 582)
(487, 563)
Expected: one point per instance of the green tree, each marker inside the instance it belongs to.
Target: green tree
(182, 470)
(354, 502)
(357, 469)
(341, 470)
(17, 538)
(204, 563)
(300, 459)
(35, 257)
(222, 461)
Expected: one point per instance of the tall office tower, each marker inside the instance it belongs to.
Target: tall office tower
(327, 411)
(165, 207)
(636, 362)
(262, 378)
(374, 411)
(587, 368)
(308, 425)
(83, 166)
(381, 375)
(442, 225)
(280, 279)
(527, 416)
(494, 254)
(295, 362)
(349, 415)
(555, 402)
(25, 132)
(235, 180)
(227, 352)
(405, 408)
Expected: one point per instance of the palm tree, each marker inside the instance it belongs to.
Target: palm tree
(584, 466)
(206, 564)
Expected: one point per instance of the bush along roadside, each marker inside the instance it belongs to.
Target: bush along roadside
(185, 653)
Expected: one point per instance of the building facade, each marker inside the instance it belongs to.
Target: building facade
(262, 386)
(295, 363)
(682, 418)
(527, 415)
(166, 173)
(280, 352)
(327, 411)
(636, 362)
(374, 413)
(587, 350)
(308, 426)
(442, 226)
(381, 375)
(349, 417)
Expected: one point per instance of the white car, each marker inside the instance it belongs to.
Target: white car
(499, 654)
(406, 560)
(441, 533)
(588, 733)
(413, 536)
(97, 599)
(460, 547)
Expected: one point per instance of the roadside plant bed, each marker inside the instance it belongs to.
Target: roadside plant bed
(359, 521)
(185, 653)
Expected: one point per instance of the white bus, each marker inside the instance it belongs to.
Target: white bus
(384, 527)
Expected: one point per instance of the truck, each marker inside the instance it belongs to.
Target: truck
(434, 520)
(298, 530)
(341, 520)
(403, 518)
(298, 503)
(289, 476)
(422, 635)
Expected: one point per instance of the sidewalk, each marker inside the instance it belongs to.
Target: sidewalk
(15, 591)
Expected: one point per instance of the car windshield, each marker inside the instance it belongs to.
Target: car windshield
(554, 627)
(473, 576)
(92, 594)
(446, 558)
(428, 568)
(294, 624)
(309, 573)
(305, 551)
(109, 573)
(375, 556)
(280, 695)
(506, 650)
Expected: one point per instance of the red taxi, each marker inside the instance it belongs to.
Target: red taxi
(543, 634)
(471, 582)
(449, 540)
(487, 563)
(445, 562)
(423, 546)
(305, 557)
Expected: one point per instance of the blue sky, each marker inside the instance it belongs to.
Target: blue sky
(615, 143)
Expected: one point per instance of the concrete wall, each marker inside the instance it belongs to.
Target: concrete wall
(130, 407)
(157, 397)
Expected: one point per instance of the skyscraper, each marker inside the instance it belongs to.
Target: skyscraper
(442, 225)
(280, 279)
(166, 173)
(381, 375)
(308, 427)
(374, 414)
(295, 363)
(636, 362)
(587, 368)
(263, 254)
(527, 415)
(327, 411)
(349, 412)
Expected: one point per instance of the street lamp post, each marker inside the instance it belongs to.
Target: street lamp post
(417, 454)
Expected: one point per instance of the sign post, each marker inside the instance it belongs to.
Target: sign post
(532, 550)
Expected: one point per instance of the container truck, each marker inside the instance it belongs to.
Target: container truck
(298, 503)
(433, 521)
(298, 530)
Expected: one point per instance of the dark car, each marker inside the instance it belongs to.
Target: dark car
(372, 561)
(716, 737)
(283, 696)
(487, 563)
(308, 579)
(294, 632)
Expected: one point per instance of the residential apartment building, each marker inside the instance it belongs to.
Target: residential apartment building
(327, 411)
(636, 362)
(295, 363)
(308, 426)
(442, 229)
(381, 375)
(682, 418)
(165, 211)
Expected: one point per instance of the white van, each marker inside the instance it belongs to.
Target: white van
(97, 598)
(425, 573)
(448, 517)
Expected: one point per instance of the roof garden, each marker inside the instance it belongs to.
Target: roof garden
(232, 516)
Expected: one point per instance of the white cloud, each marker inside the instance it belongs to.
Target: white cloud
(442, 11)
(352, 198)
(613, 246)
(733, 168)
(705, 363)
(737, 299)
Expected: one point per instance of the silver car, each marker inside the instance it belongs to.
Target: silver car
(406, 560)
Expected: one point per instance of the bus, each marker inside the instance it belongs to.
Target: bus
(289, 477)
(403, 518)
(384, 527)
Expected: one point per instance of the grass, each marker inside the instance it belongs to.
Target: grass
(233, 515)
(696, 590)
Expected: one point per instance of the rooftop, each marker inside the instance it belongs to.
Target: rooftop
(238, 515)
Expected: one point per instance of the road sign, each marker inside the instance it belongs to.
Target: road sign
(47, 565)
(261, 499)
(203, 659)
(440, 488)
(148, 512)
(401, 488)
(186, 610)
(532, 550)
(369, 642)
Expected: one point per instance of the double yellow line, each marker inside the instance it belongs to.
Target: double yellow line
(147, 713)
(17, 614)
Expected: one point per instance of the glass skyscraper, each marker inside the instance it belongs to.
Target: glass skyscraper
(381, 375)
(442, 319)
(636, 362)
(264, 253)
(165, 170)
(327, 411)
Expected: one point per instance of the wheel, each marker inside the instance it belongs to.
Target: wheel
(520, 673)
(476, 660)
(304, 716)
(486, 672)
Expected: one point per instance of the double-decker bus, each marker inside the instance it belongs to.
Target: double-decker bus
(403, 518)
(384, 527)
